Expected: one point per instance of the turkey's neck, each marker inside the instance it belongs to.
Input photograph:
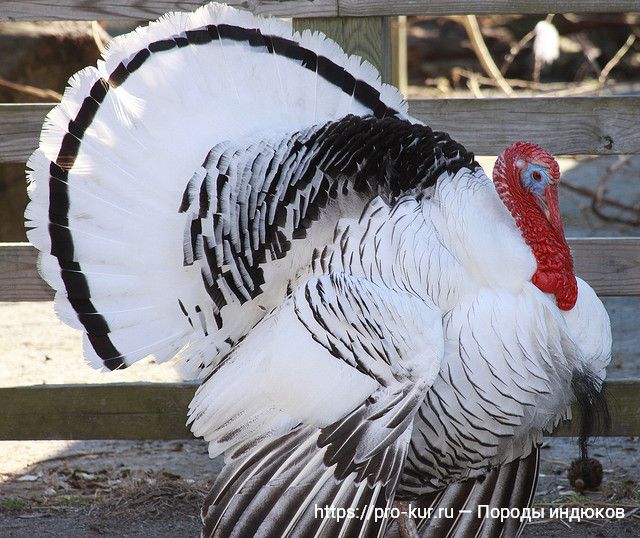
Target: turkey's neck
(545, 237)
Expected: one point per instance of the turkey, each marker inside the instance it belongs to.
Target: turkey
(375, 322)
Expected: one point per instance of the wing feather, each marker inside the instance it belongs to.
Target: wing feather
(335, 449)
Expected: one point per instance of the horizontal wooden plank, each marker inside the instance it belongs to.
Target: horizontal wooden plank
(359, 8)
(20, 126)
(367, 37)
(23, 10)
(159, 410)
(623, 397)
(19, 278)
(610, 265)
(564, 126)
(109, 411)
(39, 10)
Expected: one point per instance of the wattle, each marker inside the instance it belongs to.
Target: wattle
(562, 283)
(554, 273)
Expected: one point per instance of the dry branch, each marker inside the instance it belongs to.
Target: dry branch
(31, 90)
(100, 36)
(470, 23)
(602, 79)
(515, 50)
(599, 200)
(550, 89)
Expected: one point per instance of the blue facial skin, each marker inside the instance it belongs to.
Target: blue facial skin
(535, 179)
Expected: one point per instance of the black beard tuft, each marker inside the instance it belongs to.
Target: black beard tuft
(594, 411)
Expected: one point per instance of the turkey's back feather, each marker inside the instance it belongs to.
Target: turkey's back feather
(259, 209)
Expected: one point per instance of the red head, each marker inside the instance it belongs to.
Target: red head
(526, 179)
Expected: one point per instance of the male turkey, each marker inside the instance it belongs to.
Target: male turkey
(374, 319)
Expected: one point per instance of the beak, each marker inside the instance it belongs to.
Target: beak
(543, 204)
(548, 204)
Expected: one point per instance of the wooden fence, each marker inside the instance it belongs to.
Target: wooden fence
(579, 125)
(159, 411)
(563, 125)
(21, 10)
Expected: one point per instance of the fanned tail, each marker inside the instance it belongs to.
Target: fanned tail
(118, 154)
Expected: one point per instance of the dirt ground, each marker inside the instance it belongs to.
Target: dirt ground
(141, 489)
(109, 488)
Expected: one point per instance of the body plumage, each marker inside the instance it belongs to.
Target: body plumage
(373, 318)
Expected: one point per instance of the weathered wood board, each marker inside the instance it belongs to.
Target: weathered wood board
(36, 10)
(22, 10)
(19, 278)
(357, 8)
(140, 411)
(367, 37)
(564, 126)
(610, 265)
(110, 411)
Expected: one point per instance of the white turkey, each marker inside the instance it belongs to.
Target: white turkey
(374, 320)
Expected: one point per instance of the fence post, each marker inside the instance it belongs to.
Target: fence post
(399, 78)
(368, 37)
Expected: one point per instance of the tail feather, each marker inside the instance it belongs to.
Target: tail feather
(512, 485)
(524, 488)
(287, 487)
(117, 154)
(480, 495)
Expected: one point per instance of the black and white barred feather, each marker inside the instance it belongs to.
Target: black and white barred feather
(249, 203)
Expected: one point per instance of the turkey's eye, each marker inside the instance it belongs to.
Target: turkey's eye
(536, 175)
